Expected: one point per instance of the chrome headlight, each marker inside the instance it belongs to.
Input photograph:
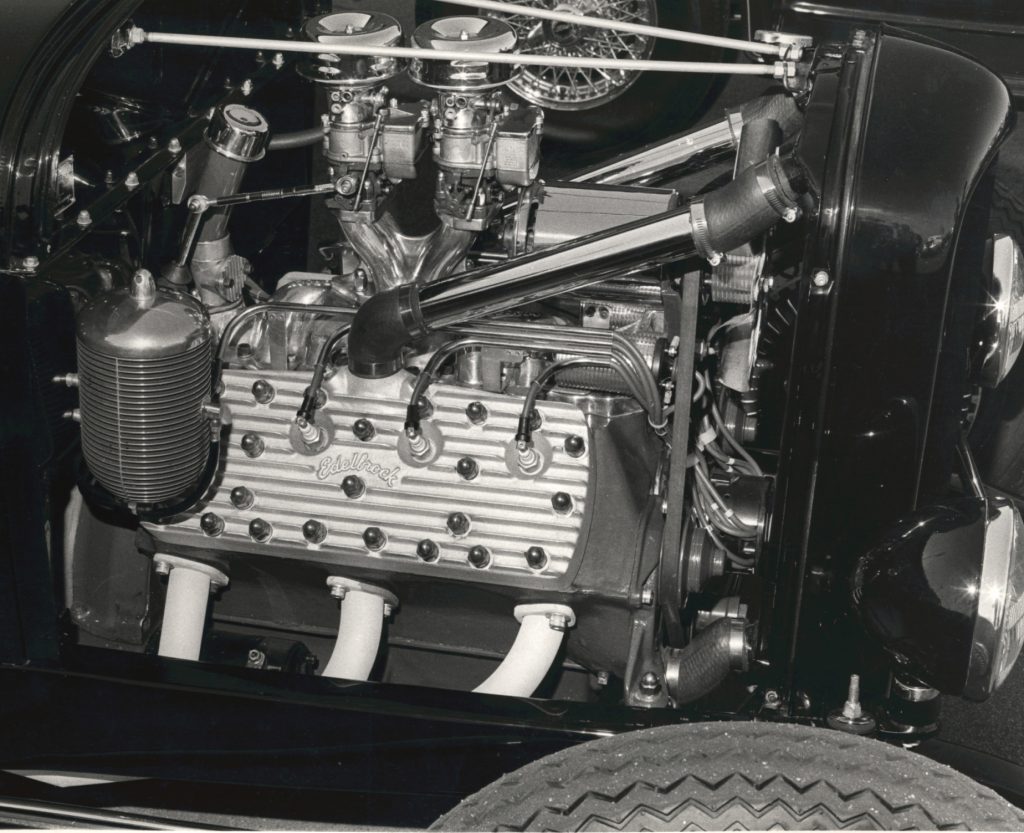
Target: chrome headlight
(944, 594)
(1004, 322)
(999, 626)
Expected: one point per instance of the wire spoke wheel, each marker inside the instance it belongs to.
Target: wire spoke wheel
(577, 88)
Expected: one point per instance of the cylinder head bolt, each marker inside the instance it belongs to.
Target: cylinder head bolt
(144, 358)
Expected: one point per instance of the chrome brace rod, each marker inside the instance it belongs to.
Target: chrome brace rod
(780, 69)
(783, 51)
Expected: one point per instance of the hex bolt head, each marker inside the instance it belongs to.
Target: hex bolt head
(650, 684)
(467, 468)
(574, 445)
(536, 558)
(427, 550)
(132, 180)
(260, 530)
(476, 412)
(262, 391)
(211, 524)
(374, 538)
(424, 408)
(314, 531)
(353, 486)
(252, 444)
(363, 429)
(458, 523)
(242, 498)
(479, 556)
(821, 279)
(561, 502)
(84, 219)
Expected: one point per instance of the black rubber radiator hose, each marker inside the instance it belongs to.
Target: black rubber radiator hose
(700, 667)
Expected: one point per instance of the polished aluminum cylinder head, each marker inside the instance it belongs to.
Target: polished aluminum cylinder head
(144, 368)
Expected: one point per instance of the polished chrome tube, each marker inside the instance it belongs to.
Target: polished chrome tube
(675, 156)
(620, 251)
(577, 19)
(779, 69)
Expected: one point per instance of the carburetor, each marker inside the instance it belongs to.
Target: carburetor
(482, 144)
(370, 143)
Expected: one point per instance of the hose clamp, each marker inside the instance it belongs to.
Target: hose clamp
(409, 308)
(779, 202)
(700, 233)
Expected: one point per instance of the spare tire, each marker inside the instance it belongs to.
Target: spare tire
(719, 776)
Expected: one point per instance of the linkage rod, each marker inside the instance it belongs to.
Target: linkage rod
(779, 69)
(774, 49)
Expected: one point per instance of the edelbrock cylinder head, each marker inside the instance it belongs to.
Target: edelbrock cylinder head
(144, 359)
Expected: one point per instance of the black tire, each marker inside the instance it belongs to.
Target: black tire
(717, 776)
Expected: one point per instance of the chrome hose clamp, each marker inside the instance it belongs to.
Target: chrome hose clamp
(774, 196)
(699, 230)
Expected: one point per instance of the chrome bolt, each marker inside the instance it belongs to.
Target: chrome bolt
(536, 558)
(363, 429)
(278, 60)
(427, 550)
(476, 412)
(646, 597)
(242, 498)
(458, 524)
(374, 538)
(260, 530)
(387, 609)
(262, 391)
(84, 219)
(174, 146)
(467, 468)
(132, 180)
(789, 215)
(602, 678)
(353, 487)
(574, 445)
(479, 556)
(772, 699)
(561, 502)
(31, 263)
(424, 408)
(851, 708)
(162, 568)
(247, 87)
(314, 531)
(252, 444)
(211, 524)
(256, 658)
(650, 684)
(821, 279)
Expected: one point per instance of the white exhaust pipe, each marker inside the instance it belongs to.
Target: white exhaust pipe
(189, 585)
(363, 610)
(534, 650)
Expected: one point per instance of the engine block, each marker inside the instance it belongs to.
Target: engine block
(277, 497)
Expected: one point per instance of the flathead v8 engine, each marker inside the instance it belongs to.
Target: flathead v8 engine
(492, 431)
